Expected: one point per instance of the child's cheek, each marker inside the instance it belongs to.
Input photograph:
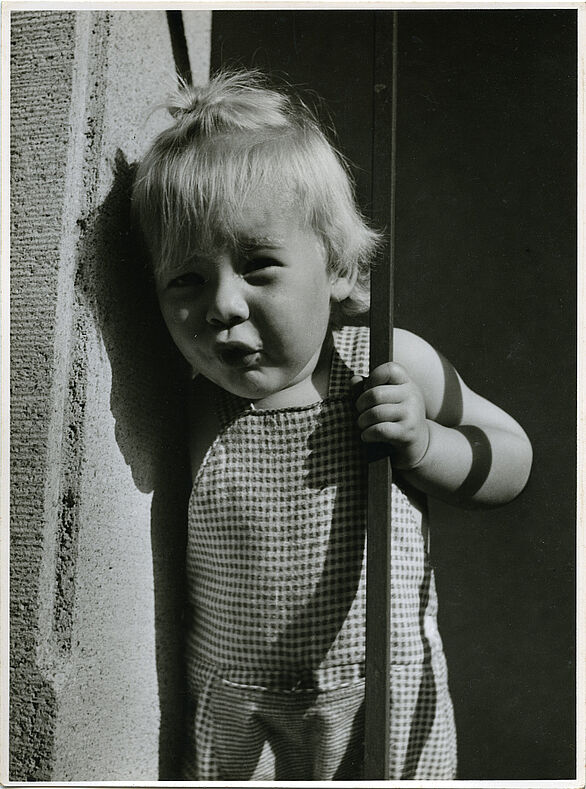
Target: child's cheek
(175, 313)
(178, 316)
(181, 314)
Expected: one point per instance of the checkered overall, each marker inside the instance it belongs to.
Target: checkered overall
(276, 572)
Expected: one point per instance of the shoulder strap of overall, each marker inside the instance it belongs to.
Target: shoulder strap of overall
(351, 353)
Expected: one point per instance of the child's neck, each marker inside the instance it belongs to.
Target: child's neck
(308, 391)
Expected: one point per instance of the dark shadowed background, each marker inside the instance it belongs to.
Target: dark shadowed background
(486, 271)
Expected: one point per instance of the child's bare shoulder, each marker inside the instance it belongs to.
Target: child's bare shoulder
(415, 353)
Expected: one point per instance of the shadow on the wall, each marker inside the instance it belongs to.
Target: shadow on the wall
(147, 396)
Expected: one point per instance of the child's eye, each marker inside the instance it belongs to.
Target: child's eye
(188, 280)
(259, 265)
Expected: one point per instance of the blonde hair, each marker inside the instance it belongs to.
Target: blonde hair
(231, 138)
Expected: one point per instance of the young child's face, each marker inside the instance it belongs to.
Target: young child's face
(254, 319)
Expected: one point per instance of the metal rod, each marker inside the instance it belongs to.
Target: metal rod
(378, 570)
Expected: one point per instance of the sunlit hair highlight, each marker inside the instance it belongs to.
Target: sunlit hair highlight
(237, 138)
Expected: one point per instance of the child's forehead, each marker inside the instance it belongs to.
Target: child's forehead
(265, 217)
(268, 204)
(257, 226)
(260, 220)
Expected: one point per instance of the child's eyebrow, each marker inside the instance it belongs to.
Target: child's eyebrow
(256, 242)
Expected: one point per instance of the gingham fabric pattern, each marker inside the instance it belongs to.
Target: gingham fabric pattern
(276, 572)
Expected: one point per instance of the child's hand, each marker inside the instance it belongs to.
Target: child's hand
(448, 441)
(392, 411)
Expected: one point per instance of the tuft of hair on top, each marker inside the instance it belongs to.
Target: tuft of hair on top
(235, 137)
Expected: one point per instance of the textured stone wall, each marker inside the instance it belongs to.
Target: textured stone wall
(98, 471)
(41, 74)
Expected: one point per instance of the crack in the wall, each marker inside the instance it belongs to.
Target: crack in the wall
(72, 440)
(68, 516)
(80, 189)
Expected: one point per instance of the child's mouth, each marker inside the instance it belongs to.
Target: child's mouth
(239, 356)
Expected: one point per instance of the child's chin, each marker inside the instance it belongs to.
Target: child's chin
(251, 386)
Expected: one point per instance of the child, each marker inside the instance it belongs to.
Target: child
(260, 258)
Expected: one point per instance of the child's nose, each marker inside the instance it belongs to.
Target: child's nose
(228, 305)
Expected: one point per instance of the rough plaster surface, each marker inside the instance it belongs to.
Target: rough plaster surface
(42, 72)
(98, 485)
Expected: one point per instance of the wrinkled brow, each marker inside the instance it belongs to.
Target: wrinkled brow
(248, 243)
(243, 245)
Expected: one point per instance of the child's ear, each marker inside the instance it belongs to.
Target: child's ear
(342, 285)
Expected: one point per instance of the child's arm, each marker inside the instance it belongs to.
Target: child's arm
(444, 438)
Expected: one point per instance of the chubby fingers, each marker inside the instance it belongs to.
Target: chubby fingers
(388, 373)
(383, 423)
(388, 384)
(391, 409)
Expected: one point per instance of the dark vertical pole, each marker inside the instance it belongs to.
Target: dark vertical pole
(179, 45)
(378, 570)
